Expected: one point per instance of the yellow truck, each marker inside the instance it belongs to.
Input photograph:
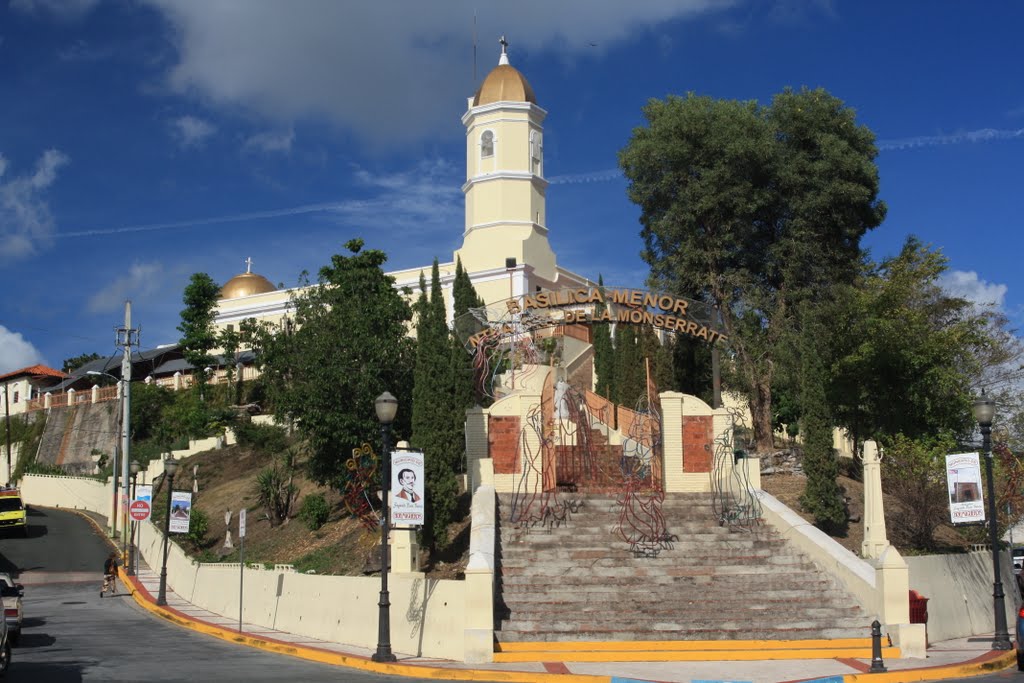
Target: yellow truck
(12, 512)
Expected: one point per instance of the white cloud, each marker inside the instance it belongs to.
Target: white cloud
(272, 141)
(190, 131)
(967, 285)
(16, 352)
(61, 9)
(141, 281)
(25, 219)
(315, 63)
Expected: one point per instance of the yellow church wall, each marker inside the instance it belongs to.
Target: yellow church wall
(503, 200)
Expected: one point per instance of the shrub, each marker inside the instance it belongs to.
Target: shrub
(264, 438)
(314, 511)
(276, 492)
(198, 527)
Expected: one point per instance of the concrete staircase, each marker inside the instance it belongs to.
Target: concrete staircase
(579, 581)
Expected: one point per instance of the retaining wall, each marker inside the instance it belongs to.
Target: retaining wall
(429, 618)
(959, 592)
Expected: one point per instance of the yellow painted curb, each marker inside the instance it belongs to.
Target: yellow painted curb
(937, 673)
(338, 659)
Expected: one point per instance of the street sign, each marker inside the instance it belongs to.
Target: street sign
(241, 523)
(139, 510)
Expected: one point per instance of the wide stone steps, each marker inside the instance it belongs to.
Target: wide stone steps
(580, 581)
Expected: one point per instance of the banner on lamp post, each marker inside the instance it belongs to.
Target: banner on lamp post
(181, 511)
(966, 498)
(407, 504)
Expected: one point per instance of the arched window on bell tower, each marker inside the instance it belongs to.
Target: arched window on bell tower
(536, 151)
(487, 144)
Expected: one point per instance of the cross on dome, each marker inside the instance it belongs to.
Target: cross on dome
(248, 264)
(504, 51)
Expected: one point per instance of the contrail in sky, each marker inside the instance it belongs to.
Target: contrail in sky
(983, 135)
(607, 175)
(235, 218)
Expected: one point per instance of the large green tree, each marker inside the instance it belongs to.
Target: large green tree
(198, 336)
(754, 209)
(910, 352)
(347, 346)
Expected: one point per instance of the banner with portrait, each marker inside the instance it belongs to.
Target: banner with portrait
(407, 495)
(966, 498)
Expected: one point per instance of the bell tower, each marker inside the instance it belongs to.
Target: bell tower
(505, 187)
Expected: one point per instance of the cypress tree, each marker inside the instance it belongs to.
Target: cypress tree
(464, 296)
(604, 353)
(434, 417)
(822, 497)
(630, 376)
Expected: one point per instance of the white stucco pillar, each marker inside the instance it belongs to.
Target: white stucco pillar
(479, 625)
(875, 540)
(47, 400)
(95, 394)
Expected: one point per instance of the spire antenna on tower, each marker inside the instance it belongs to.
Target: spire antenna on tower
(504, 51)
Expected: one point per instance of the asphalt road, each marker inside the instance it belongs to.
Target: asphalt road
(71, 634)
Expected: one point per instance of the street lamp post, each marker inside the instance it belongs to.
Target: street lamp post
(984, 410)
(170, 467)
(386, 406)
(135, 469)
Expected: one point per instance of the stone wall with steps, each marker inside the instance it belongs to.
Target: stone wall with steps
(580, 581)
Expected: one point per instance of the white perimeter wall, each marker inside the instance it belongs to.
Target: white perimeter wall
(428, 617)
(959, 592)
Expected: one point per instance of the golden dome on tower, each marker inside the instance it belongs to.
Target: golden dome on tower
(504, 84)
(246, 284)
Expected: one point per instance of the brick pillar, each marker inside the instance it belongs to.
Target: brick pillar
(698, 443)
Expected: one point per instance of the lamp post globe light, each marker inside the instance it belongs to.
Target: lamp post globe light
(984, 411)
(386, 406)
(170, 467)
(135, 468)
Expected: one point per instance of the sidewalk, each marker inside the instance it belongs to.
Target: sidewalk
(950, 659)
(958, 658)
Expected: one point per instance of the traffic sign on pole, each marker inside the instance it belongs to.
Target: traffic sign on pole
(139, 510)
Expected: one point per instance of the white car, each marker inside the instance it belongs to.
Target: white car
(12, 594)
(1018, 560)
(5, 647)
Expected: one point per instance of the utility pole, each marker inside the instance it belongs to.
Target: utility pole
(126, 338)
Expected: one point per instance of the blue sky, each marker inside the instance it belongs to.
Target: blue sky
(142, 141)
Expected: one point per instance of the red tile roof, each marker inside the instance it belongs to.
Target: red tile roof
(35, 371)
